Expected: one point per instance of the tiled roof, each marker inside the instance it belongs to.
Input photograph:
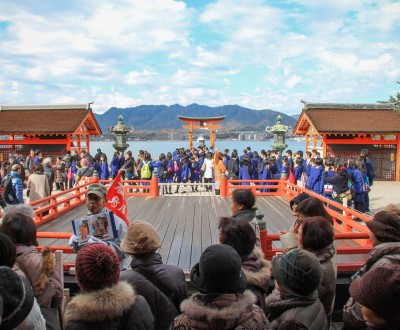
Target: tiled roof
(349, 118)
(47, 119)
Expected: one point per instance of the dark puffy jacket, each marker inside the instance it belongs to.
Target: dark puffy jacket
(116, 307)
(49, 171)
(292, 313)
(170, 276)
(163, 310)
(339, 181)
(381, 255)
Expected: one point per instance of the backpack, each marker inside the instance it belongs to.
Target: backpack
(9, 194)
(176, 166)
(145, 172)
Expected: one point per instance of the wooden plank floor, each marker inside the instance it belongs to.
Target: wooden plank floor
(187, 225)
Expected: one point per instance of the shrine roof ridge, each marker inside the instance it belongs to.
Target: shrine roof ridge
(349, 106)
(45, 106)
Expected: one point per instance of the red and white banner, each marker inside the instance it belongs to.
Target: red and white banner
(116, 199)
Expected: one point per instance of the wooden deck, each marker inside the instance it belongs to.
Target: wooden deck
(186, 224)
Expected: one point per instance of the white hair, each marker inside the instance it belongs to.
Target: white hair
(47, 160)
(19, 208)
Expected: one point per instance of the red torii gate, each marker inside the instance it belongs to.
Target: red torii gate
(202, 123)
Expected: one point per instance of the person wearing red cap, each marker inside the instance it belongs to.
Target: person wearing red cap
(105, 302)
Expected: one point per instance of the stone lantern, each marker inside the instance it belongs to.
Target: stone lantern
(120, 130)
(279, 132)
(201, 140)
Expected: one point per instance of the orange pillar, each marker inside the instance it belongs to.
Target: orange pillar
(323, 146)
(212, 137)
(154, 186)
(223, 185)
(191, 134)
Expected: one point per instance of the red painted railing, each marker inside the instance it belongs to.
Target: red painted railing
(343, 220)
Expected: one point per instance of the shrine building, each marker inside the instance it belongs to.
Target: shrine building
(52, 129)
(342, 130)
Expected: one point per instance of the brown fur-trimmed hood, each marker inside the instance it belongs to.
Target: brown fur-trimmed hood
(224, 306)
(100, 305)
(257, 269)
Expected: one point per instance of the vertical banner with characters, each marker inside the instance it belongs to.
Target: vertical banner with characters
(116, 199)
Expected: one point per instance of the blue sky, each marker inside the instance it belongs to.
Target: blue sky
(257, 54)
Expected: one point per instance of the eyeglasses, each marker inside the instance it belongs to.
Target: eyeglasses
(94, 199)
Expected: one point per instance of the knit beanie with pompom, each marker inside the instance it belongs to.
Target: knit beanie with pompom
(97, 267)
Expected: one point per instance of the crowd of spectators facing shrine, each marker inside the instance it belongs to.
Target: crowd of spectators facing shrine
(182, 169)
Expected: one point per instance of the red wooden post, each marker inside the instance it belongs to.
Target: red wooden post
(223, 185)
(154, 185)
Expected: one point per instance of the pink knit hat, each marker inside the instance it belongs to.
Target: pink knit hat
(84, 162)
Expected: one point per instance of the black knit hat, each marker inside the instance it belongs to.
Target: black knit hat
(298, 272)
(379, 290)
(17, 297)
(219, 271)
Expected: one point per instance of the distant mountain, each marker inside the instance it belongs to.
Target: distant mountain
(157, 117)
(296, 117)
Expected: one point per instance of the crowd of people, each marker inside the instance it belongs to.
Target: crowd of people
(335, 179)
(124, 283)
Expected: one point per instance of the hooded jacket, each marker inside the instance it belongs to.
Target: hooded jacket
(221, 311)
(115, 307)
(292, 313)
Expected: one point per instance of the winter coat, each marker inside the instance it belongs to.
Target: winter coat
(194, 169)
(17, 186)
(105, 172)
(359, 179)
(315, 181)
(223, 311)
(381, 255)
(108, 309)
(38, 187)
(298, 171)
(327, 174)
(244, 175)
(254, 168)
(184, 173)
(59, 172)
(284, 171)
(327, 289)
(162, 309)
(338, 180)
(40, 270)
(114, 166)
(219, 168)
(49, 171)
(292, 313)
(169, 275)
(258, 272)
(208, 166)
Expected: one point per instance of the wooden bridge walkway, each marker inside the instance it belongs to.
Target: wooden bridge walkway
(187, 224)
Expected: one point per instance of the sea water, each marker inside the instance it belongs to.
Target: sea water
(157, 147)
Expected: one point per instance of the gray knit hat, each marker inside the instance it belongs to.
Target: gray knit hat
(298, 272)
(17, 296)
